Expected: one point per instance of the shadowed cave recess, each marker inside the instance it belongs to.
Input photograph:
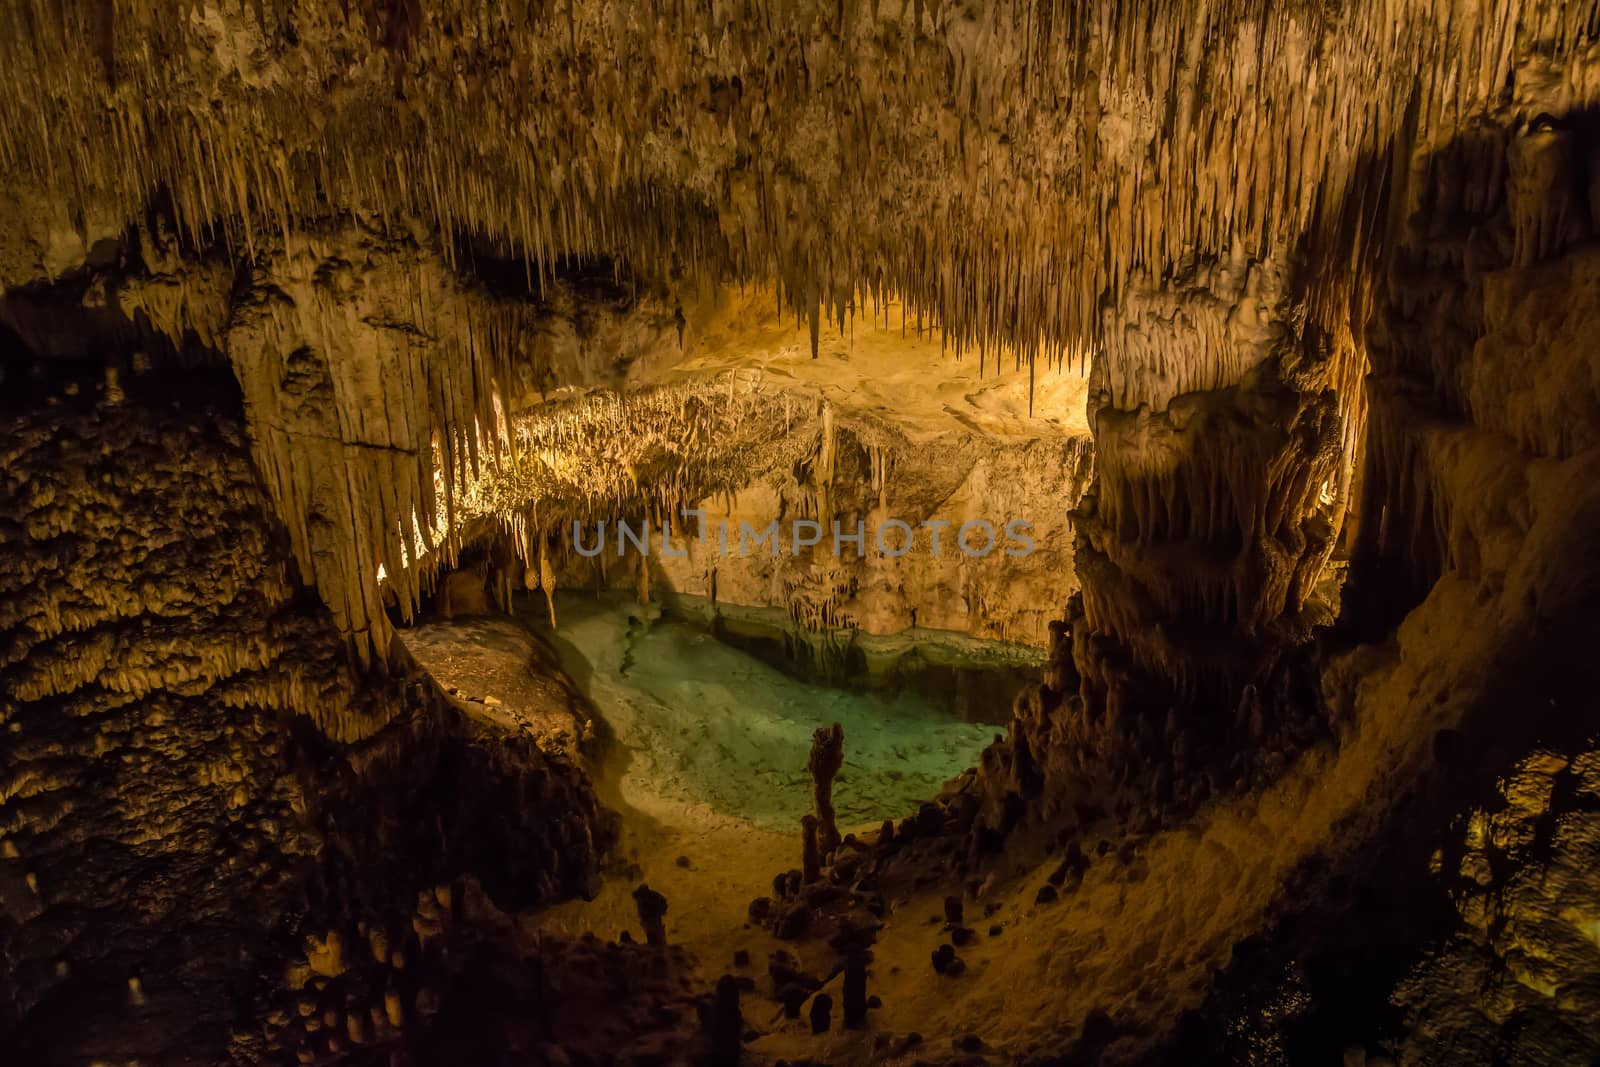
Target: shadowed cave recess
(1043, 532)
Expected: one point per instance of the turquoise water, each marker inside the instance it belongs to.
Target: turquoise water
(708, 726)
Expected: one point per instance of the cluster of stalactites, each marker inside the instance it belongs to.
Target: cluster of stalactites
(374, 395)
(642, 457)
(1006, 169)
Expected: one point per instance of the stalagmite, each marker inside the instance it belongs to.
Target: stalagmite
(827, 757)
(547, 582)
(652, 909)
(724, 1025)
(641, 584)
(821, 1013)
(855, 988)
(810, 850)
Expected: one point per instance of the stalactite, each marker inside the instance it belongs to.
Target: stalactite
(994, 252)
(547, 582)
(325, 393)
(1039, 217)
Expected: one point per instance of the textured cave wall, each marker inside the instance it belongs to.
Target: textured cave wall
(155, 656)
(1481, 383)
(1459, 927)
(1481, 512)
(177, 811)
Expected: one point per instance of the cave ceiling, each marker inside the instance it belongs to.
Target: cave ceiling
(1192, 198)
(1007, 170)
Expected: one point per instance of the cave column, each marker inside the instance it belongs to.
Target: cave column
(1224, 435)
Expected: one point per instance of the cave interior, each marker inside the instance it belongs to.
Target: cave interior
(790, 532)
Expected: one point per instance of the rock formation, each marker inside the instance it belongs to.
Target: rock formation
(652, 908)
(161, 655)
(315, 317)
(827, 757)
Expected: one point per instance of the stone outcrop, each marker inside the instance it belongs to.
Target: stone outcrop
(1513, 984)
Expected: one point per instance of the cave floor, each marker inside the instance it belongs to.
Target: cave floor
(1139, 937)
(710, 769)
(708, 774)
(708, 760)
